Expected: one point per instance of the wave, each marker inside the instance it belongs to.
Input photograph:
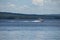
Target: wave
(32, 21)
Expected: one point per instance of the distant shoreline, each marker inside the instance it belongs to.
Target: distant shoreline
(7, 15)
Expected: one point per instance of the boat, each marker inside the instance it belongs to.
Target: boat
(39, 20)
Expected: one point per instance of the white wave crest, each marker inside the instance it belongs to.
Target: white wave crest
(33, 21)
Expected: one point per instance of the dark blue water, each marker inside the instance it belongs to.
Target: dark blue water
(49, 29)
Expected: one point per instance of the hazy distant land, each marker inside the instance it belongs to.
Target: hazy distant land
(8, 15)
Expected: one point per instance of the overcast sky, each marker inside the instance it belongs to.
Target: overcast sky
(30, 6)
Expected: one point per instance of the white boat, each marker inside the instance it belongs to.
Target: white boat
(39, 20)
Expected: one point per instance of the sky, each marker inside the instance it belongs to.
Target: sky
(30, 6)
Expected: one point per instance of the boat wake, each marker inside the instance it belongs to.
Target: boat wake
(41, 20)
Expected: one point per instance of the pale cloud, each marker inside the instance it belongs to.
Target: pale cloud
(12, 5)
(24, 7)
(38, 2)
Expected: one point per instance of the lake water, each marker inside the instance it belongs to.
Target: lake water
(21, 30)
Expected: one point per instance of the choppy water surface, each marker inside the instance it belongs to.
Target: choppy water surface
(21, 30)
